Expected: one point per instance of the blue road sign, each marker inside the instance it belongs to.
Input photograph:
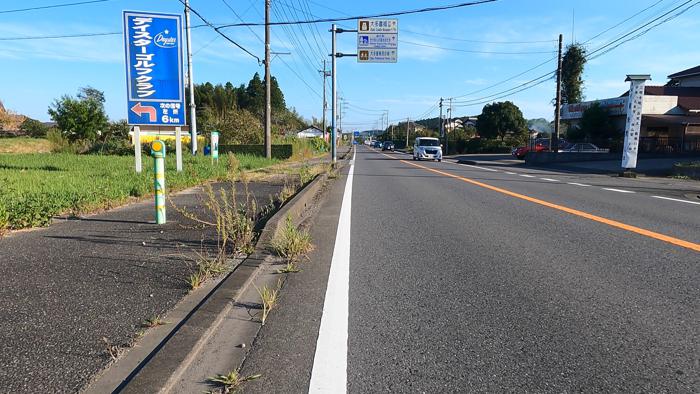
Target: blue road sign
(154, 75)
(356, 133)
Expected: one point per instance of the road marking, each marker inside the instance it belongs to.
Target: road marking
(676, 199)
(330, 369)
(527, 176)
(510, 173)
(618, 190)
(549, 180)
(595, 218)
(481, 168)
(578, 184)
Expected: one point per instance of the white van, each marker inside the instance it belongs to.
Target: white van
(427, 148)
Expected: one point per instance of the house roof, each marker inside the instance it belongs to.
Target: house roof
(310, 129)
(674, 119)
(686, 73)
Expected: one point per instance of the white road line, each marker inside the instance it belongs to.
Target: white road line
(675, 199)
(618, 190)
(578, 184)
(330, 369)
(549, 180)
(481, 168)
(510, 173)
(527, 176)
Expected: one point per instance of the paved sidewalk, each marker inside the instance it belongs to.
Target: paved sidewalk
(67, 286)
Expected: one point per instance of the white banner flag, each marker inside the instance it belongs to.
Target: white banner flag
(634, 123)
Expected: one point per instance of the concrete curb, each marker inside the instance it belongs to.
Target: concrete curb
(170, 358)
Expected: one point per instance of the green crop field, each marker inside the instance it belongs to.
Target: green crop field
(36, 187)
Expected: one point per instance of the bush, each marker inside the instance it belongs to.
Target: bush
(34, 128)
(59, 143)
(281, 152)
(480, 145)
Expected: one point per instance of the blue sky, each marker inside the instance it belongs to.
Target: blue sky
(523, 34)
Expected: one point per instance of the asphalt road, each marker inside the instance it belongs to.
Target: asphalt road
(465, 278)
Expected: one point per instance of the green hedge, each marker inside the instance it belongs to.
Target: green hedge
(281, 152)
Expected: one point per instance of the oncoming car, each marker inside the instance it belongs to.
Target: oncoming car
(427, 148)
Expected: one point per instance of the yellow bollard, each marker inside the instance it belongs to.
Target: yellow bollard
(158, 153)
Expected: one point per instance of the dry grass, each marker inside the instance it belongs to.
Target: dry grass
(24, 145)
(268, 298)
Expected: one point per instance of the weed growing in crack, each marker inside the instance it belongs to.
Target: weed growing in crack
(268, 298)
(154, 321)
(112, 350)
(232, 381)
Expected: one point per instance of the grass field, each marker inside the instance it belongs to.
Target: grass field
(24, 145)
(36, 187)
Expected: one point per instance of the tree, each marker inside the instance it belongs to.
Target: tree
(596, 124)
(34, 128)
(239, 127)
(572, 66)
(499, 120)
(82, 118)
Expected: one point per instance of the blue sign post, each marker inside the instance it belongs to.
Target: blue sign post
(154, 75)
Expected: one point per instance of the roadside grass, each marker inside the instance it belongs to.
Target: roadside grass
(292, 244)
(24, 145)
(232, 381)
(268, 298)
(37, 187)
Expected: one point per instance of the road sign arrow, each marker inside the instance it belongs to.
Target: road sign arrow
(139, 110)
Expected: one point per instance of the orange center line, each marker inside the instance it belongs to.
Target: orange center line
(595, 218)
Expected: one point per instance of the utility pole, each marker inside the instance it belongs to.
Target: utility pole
(325, 75)
(334, 102)
(447, 134)
(408, 126)
(268, 99)
(442, 121)
(190, 81)
(554, 141)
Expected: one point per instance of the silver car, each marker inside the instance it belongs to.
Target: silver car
(427, 148)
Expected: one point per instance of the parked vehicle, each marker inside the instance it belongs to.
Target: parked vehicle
(584, 147)
(388, 145)
(427, 148)
(521, 151)
(377, 144)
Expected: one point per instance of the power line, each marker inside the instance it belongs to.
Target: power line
(349, 18)
(590, 55)
(477, 41)
(220, 33)
(77, 35)
(473, 51)
(622, 22)
(506, 80)
(53, 6)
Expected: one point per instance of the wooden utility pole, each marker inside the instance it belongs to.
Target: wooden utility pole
(268, 104)
(554, 140)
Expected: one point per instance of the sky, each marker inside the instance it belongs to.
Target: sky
(475, 54)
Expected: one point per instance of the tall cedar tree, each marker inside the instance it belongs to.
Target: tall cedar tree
(572, 66)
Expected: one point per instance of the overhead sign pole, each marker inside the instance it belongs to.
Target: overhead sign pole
(154, 70)
(190, 81)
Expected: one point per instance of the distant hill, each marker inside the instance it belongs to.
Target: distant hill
(541, 125)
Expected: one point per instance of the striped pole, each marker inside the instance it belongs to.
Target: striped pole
(158, 153)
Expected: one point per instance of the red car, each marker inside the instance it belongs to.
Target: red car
(520, 152)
